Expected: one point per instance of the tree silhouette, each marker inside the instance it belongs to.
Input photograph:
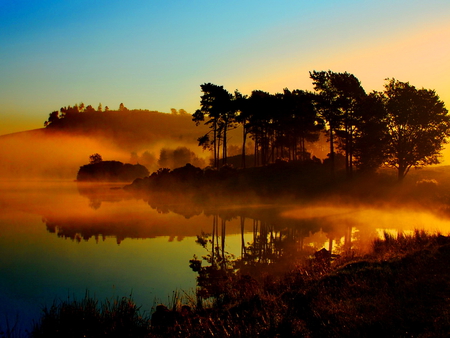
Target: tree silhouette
(216, 105)
(122, 107)
(338, 96)
(299, 123)
(261, 124)
(95, 158)
(53, 117)
(370, 137)
(89, 109)
(418, 124)
(242, 116)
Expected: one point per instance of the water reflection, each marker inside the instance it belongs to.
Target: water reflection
(157, 236)
(335, 227)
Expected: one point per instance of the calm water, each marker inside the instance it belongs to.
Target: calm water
(59, 239)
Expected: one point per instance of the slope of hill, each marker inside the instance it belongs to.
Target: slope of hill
(128, 136)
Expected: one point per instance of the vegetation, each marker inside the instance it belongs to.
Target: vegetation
(402, 127)
(110, 171)
(417, 126)
(90, 318)
(272, 182)
(131, 130)
(399, 289)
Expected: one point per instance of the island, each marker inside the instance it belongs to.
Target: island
(110, 171)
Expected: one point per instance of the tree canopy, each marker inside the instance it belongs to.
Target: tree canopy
(400, 127)
(417, 126)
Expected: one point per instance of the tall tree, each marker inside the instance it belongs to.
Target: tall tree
(261, 124)
(301, 123)
(418, 124)
(242, 115)
(215, 104)
(338, 96)
(370, 137)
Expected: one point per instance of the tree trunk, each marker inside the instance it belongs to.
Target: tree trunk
(331, 152)
(244, 139)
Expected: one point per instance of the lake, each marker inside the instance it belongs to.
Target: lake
(61, 239)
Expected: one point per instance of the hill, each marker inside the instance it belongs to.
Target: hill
(130, 129)
(135, 136)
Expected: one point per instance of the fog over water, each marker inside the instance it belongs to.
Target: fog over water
(61, 238)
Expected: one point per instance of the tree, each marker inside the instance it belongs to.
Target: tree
(53, 117)
(99, 108)
(338, 96)
(95, 158)
(370, 137)
(122, 107)
(242, 116)
(216, 105)
(417, 126)
(261, 112)
(300, 123)
(89, 109)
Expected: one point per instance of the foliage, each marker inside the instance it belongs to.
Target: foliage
(95, 158)
(111, 171)
(216, 104)
(401, 127)
(418, 124)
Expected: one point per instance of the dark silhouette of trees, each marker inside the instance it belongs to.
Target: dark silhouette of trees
(122, 107)
(417, 126)
(370, 136)
(299, 124)
(243, 114)
(336, 102)
(216, 105)
(95, 158)
(261, 123)
(89, 109)
(111, 171)
(53, 117)
(280, 124)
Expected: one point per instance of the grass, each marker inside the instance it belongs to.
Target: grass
(90, 318)
(400, 289)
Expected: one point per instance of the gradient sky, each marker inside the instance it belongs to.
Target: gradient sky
(155, 54)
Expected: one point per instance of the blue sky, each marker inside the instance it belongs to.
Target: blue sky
(155, 54)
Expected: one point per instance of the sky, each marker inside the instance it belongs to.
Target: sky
(154, 55)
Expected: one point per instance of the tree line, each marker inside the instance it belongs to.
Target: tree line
(70, 113)
(400, 127)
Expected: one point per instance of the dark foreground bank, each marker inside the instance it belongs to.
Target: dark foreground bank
(400, 289)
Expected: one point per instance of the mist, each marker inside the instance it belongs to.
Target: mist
(140, 138)
(37, 154)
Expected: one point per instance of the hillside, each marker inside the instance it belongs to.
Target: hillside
(131, 129)
(133, 136)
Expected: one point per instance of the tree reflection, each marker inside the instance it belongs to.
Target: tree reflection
(276, 246)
